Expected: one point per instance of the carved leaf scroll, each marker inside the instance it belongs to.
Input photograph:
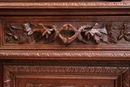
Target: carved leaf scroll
(49, 33)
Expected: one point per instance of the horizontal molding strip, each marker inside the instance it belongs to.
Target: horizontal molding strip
(64, 4)
(76, 55)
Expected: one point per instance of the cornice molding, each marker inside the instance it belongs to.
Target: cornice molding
(63, 4)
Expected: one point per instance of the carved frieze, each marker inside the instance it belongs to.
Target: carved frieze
(94, 33)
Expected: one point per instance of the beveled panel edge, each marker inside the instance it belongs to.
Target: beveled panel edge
(124, 73)
(125, 4)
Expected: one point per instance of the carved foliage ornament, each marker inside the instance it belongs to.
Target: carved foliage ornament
(49, 33)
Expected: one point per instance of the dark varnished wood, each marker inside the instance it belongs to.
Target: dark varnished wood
(1, 75)
(54, 43)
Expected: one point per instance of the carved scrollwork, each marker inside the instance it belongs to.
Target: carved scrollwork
(66, 40)
(48, 33)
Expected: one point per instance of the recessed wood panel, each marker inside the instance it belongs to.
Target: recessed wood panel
(72, 76)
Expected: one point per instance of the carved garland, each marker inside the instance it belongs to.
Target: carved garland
(34, 32)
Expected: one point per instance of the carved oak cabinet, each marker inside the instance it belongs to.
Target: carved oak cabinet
(64, 43)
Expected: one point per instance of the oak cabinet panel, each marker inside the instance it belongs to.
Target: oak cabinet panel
(64, 43)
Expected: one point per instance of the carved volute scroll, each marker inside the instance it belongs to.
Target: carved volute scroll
(107, 33)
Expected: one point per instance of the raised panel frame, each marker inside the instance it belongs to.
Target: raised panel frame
(14, 75)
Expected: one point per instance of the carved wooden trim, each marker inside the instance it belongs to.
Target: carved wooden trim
(120, 71)
(79, 55)
(68, 69)
(64, 4)
(126, 79)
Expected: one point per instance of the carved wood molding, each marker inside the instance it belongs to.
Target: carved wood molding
(79, 55)
(68, 69)
(64, 4)
(12, 70)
